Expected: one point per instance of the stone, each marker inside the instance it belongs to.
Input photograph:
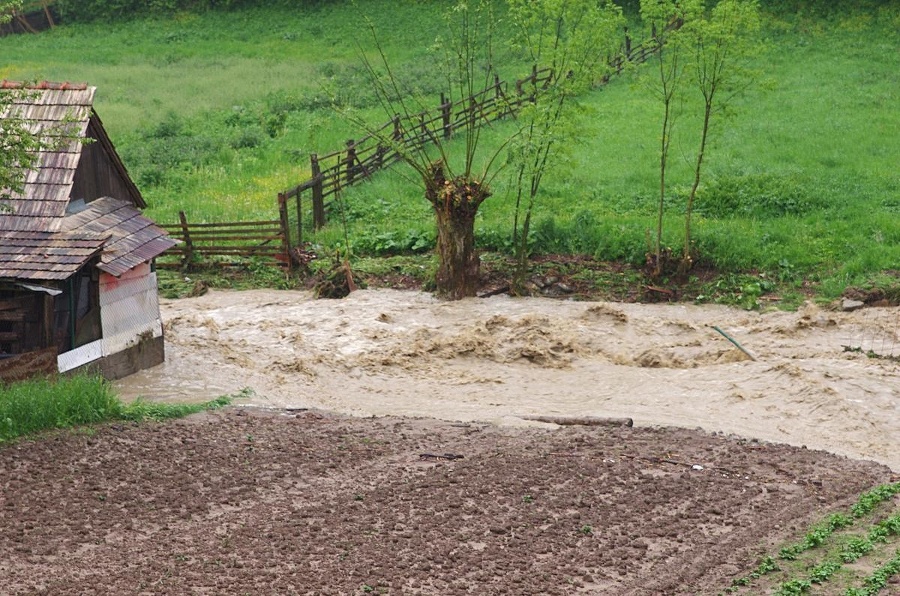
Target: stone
(848, 305)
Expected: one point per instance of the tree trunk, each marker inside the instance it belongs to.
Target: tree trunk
(686, 260)
(455, 203)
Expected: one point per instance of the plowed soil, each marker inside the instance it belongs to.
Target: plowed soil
(248, 501)
(441, 482)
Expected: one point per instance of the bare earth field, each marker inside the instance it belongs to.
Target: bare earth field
(386, 449)
(256, 502)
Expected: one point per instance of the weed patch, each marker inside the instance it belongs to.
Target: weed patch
(37, 405)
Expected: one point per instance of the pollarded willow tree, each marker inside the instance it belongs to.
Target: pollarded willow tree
(571, 38)
(453, 186)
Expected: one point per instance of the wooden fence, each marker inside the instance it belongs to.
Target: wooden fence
(269, 239)
(360, 158)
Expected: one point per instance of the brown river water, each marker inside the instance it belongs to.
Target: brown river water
(390, 352)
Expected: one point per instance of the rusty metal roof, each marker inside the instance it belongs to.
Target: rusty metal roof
(132, 238)
(46, 106)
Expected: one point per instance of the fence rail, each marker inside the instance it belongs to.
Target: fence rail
(360, 158)
(268, 239)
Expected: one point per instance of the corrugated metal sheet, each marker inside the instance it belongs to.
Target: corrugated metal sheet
(110, 294)
(131, 314)
(123, 341)
(127, 311)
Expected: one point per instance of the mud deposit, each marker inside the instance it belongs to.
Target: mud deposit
(245, 501)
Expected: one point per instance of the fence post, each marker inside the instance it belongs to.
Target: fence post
(299, 218)
(445, 116)
(349, 160)
(426, 136)
(285, 229)
(627, 44)
(398, 144)
(318, 194)
(188, 257)
(534, 76)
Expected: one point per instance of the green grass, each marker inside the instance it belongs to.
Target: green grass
(215, 114)
(37, 405)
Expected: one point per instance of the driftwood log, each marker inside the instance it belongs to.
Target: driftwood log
(581, 420)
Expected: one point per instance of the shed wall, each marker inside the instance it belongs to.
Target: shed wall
(97, 175)
(129, 315)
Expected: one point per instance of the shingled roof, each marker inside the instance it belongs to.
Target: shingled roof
(44, 256)
(132, 238)
(41, 236)
(42, 205)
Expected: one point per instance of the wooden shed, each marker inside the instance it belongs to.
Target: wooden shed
(77, 284)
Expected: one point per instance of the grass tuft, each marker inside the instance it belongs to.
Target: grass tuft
(37, 405)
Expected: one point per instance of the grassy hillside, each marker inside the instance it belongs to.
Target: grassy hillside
(215, 114)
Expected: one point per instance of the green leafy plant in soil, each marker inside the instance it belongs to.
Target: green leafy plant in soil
(829, 545)
(874, 583)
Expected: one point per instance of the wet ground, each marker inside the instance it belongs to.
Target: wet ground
(245, 501)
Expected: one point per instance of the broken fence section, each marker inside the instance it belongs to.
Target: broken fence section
(229, 241)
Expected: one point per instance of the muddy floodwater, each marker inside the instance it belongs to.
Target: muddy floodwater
(501, 359)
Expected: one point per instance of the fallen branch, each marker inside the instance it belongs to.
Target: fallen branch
(447, 456)
(581, 420)
(736, 344)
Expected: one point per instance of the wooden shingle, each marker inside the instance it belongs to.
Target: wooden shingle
(132, 238)
(40, 237)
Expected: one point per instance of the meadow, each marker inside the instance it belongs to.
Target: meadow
(215, 113)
